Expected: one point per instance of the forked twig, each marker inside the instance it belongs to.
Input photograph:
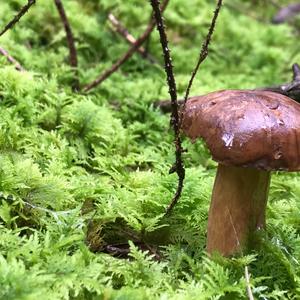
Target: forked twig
(17, 17)
(178, 167)
(129, 37)
(126, 56)
(70, 41)
(204, 50)
(202, 56)
(11, 60)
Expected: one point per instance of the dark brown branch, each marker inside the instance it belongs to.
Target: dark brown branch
(11, 60)
(202, 56)
(179, 166)
(291, 90)
(20, 14)
(71, 43)
(204, 50)
(286, 13)
(126, 56)
(129, 37)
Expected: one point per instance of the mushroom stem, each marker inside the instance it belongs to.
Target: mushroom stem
(237, 209)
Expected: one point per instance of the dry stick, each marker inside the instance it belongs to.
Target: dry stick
(247, 275)
(129, 37)
(20, 14)
(202, 56)
(126, 56)
(286, 13)
(71, 43)
(178, 167)
(204, 51)
(11, 60)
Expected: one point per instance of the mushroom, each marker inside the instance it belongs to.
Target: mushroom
(249, 133)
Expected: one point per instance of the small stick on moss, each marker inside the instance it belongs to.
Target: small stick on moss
(11, 60)
(129, 37)
(126, 56)
(286, 13)
(178, 166)
(71, 43)
(20, 14)
(247, 277)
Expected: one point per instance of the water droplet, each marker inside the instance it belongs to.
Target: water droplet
(228, 139)
(280, 122)
(277, 154)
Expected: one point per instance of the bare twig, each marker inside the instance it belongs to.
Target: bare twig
(20, 14)
(126, 56)
(202, 56)
(204, 50)
(55, 214)
(286, 13)
(178, 166)
(129, 37)
(291, 89)
(247, 277)
(11, 60)
(70, 41)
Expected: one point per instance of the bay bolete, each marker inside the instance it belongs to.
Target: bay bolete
(249, 133)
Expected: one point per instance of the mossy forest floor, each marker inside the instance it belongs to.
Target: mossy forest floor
(83, 173)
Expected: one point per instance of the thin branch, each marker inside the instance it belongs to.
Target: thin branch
(11, 60)
(20, 14)
(126, 56)
(55, 214)
(174, 106)
(129, 37)
(291, 89)
(286, 13)
(179, 166)
(247, 277)
(204, 50)
(71, 43)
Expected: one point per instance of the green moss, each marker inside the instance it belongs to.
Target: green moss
(81, 172)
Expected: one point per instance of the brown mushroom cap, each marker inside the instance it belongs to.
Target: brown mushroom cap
(247, 128)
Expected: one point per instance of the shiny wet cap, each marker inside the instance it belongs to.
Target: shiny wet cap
(246, 128)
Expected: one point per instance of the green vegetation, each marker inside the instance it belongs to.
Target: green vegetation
(79, 172)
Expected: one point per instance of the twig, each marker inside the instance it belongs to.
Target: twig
(70, 41)
(129, 37)
(126, 56)
(11, 60)
(55, 214)
(178, 167)
(204, 50)
(291, 89)
(247, 277)
(20, 14)
(202, 56)
(286, 13)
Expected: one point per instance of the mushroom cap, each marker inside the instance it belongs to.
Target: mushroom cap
(246, 128)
